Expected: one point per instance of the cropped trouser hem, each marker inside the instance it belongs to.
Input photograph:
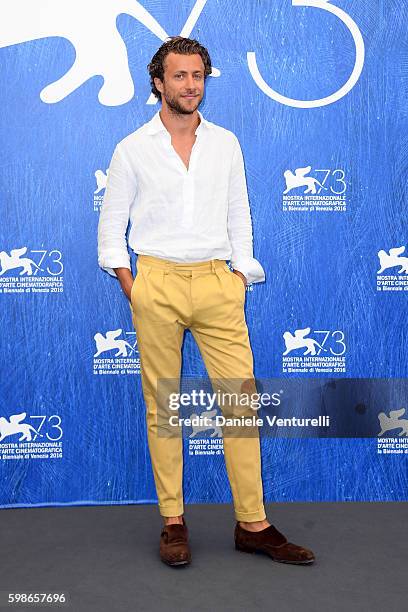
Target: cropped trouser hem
(250, 517)
(171, 510)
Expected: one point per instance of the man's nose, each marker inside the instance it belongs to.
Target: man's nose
(190, 83)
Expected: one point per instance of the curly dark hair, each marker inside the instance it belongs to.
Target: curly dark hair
(176, 44)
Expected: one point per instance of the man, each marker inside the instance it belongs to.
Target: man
(180, 180)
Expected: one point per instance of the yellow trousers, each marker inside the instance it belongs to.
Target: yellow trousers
(207, 298)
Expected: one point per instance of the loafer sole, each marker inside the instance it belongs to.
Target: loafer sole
(176, 563)
(263, 552)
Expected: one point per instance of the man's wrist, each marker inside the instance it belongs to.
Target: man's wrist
(124, 275)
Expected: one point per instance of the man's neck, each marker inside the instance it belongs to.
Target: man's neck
(178, 124)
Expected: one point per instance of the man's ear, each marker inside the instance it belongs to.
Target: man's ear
(159, 84)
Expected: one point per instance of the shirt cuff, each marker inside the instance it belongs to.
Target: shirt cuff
(115, 259)
(250, 268)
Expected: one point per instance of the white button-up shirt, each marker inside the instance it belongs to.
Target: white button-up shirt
(180, 214)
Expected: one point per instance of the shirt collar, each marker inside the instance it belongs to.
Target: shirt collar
(156, 124)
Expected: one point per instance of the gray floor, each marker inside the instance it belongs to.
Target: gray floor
(106, 558)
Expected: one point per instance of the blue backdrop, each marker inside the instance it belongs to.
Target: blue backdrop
(316, 93)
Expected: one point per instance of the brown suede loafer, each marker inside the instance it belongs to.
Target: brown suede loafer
(273, 543)
(174, 547)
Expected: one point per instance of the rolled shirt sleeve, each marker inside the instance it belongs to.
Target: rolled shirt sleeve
(114, 217)
(239, 222)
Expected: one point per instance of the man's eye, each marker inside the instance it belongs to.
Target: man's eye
(178, 76)
(198, 77)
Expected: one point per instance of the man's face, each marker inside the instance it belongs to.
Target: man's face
(183, 84)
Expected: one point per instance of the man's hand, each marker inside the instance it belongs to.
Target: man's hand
(242, 277)
(126, 280)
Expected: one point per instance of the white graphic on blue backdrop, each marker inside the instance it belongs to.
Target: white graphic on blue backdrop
(317, 266)
(299, 179)
(15, 261)
(111, 342)
(340, 93)
(298, 340)
(15, 426)
(91, 28)
(101, 179)
(392, 259)
(393, 421)
(199, 425)
(100, 49)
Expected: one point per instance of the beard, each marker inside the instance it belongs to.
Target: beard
(175, 106)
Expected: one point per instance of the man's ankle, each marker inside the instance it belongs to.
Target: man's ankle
(173, 520)
(255, 525)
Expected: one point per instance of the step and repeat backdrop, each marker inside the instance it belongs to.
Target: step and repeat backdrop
(316, 92)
